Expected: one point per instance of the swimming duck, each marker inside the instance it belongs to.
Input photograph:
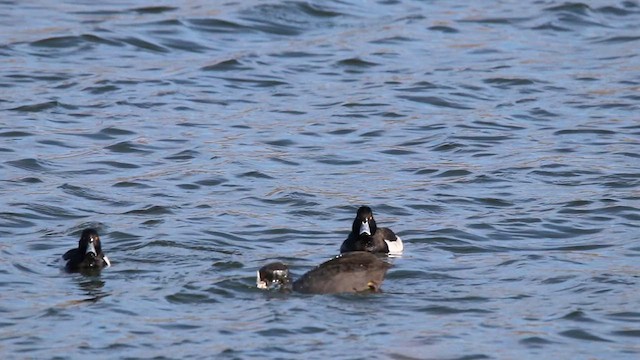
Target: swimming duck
(88, 255)
(352, 272)
(367, 236)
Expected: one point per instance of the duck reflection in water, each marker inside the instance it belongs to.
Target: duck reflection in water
(92, 286)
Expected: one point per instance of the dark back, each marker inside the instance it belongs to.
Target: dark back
(350, 272)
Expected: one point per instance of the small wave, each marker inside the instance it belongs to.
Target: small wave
(444, 29)
(397, 152)
(574, 16)
(114, 131)
(295, 199)
(39, 107)
(507, 82)
(631, 333)
(551, 26)
(471, 249)
(118, 164)
(183, 297)
(46, 212)
(211, 181)
(131, 184)
(355, 63)
(448, 146)
(153, 9)
(337, 160)
(583, 335)
(31, 164)
(151, 210)
(184, 45)
(281, 143)
(98, 90)
(216, 25)
(73, 41)
(14, 220)
(255, 174)
(435, 101)
(584, 131)
(581, 247)
(394, 40)
(227, 65)
(535, 341)
(289, 19)
(626, 316)
(576, 8)
(562, 174)
(82, 192)
(497, 20)
(183, 155)
(127, 147)
(454, 173)
(446, 310)
(618, 39)
(144, 44)
(256, 83)
(15, 134)
(578, 316)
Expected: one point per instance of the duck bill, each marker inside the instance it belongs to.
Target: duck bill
(91, 249)
(364, 228)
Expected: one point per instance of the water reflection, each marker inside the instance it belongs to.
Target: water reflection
(91, 285)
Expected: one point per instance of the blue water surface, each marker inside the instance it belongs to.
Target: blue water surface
(204, 139)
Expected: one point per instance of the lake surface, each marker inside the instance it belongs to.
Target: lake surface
(204, 139)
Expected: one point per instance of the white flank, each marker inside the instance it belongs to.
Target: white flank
(395, 247)
(260, 284)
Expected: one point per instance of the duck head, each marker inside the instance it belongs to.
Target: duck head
(364, 223)
(274, 275)
(90, 246)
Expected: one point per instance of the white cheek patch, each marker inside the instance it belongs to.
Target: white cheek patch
(395, 247)
(106, 260)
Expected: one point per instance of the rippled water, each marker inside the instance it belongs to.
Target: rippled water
(204, 139)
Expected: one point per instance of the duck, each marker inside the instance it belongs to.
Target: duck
(88, 254)
(367, 236)
(353, 272)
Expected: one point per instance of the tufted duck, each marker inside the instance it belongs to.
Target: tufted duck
(367, 236)
(88, 255)
(358, 271)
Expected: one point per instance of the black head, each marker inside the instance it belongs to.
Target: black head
(88, 255)
(273, 275)
(364, 223)
(89, 243)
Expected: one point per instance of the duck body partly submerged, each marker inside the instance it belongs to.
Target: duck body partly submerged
(352, 272)
(88, 255)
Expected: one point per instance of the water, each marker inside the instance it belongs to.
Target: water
(204, 139)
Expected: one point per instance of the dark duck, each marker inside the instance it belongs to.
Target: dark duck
(367, 236)
(354, 272)
(88, 255)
